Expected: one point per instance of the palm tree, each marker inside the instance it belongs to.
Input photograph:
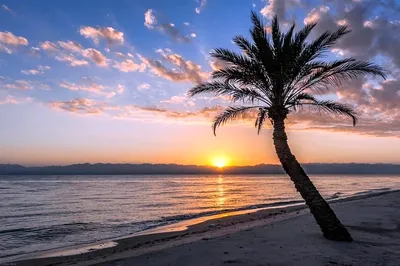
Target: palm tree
(277, 73)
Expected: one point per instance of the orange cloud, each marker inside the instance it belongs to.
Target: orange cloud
(96, 56)
(128, 65)
(71, 60)
(187, 70)
(91, 87)
(10, 39)
(19, 85)
(80, 106)
(107, 33)
(48, 46)
(72, 46)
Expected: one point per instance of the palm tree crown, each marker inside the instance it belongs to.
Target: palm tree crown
(277, 73)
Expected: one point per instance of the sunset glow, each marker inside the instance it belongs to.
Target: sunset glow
(111, 87)
(220, 162)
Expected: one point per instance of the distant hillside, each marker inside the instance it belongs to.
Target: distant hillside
(140, 169)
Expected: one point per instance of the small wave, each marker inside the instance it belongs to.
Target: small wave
(41, 214)
(50, 230)
(336, 195)
(189, 197)
(371, 191)
(159, 205)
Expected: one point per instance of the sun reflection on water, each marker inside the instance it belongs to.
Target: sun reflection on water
(220, 192)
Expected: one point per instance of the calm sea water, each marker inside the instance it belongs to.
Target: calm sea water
(41, 213)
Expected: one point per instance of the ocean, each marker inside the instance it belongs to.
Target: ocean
(39, 213)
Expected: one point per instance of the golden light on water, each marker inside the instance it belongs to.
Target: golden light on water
(220, 192)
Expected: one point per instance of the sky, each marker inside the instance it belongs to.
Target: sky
(106, 81)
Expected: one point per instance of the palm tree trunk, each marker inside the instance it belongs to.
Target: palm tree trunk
(330, 225)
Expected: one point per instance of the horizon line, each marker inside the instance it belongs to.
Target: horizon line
(204, 165)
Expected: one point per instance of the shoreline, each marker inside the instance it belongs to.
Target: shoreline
(183, 232)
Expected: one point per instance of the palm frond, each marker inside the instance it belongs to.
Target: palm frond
(260, 38)
(244, 78)
(262, 115)
(277, 37)
(247, 47)
(258, 26)
(232, 58)
(334, 74)
(335, 108)
(302, 35)
(342, 71)
(287, 40)
(275, 71)
(223, 88)
(321, 44)
(230, 114)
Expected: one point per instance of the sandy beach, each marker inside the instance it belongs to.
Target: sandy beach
(282, 236)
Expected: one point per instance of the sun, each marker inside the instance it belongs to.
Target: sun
(220, 162)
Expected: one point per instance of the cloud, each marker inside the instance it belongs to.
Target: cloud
(176, 99)
(168, 28)
(48, 46)
(386, 98)
(96, 88)
(279, 8)
(74, 53)
(80, 106)
(124, 56)
(8, 41)
(5, 49)
(376, 106)
(216, 64)
(72, 46)
(6, 8)
(149, 19)
(187, 70)
(305, 120)
(93, 88)
(71, 60)
(107, 33)
(315, 14)
(96, 56)
(128, 65)
(13, 100)
(368, 125)
(201, 6)
(372, 34)
(86, 106)
(19, 84)
(179, 100)
(143, 87)
(35, 51)
(38, 71)
(120, 89)
(149, 112)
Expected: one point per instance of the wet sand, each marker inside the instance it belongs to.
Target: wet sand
(281, 236)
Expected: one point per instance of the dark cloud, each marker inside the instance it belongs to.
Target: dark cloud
(151, 21)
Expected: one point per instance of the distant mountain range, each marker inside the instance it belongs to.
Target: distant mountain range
(175, 169)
